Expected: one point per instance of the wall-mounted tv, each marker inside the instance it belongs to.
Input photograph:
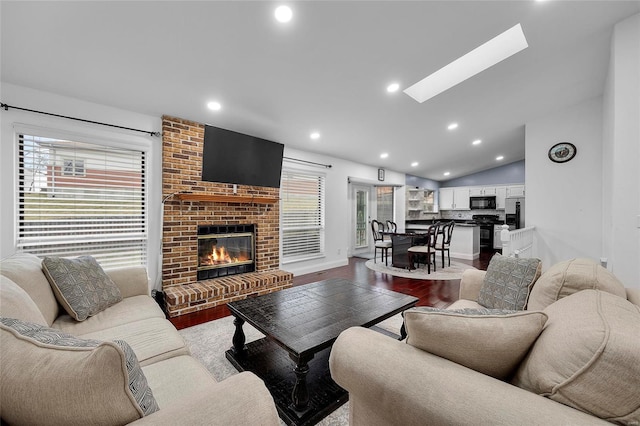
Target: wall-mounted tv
(232, 157)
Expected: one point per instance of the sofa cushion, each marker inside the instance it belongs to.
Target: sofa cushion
(490, 341)
(16, 303)
(80, 285)
(102, 381)
(588, 356)
(571, 276)
(152, 339)
(131, 309)
(177, 378)
(25, 269)
(508, 282)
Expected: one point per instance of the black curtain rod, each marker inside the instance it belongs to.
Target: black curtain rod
(6, 107)
(328, 166)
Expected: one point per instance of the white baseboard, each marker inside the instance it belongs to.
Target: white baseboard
(465, 256)
(320, 266)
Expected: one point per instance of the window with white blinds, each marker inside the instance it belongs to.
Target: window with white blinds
(302, 215)
(78, 198)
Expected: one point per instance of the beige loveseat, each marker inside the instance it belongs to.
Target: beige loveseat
(48, 382)
(580, 365)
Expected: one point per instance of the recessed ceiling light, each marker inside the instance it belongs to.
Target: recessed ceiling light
(479, 59)
(499, 158)
(414, 164)
(283, 14)
(452, 126)
(215, 106)
(393, 87)
(477, 142)
(314, 135)
(384, 155)
(446, 173)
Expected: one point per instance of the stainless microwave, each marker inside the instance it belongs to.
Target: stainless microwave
(482, 203)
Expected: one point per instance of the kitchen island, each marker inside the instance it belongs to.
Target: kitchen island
(465, 240)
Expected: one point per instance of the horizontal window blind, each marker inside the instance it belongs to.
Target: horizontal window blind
(78, 198)
(302, 215)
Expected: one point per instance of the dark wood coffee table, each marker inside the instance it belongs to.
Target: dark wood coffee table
(305, 321)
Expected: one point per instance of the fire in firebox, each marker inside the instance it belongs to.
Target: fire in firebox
(220, 255)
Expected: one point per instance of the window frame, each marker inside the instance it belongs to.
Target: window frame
(116, 140)
(321, 227)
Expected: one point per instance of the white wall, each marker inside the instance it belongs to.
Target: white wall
(337, 209)
(32, 99)
(564, 201)
(621, 154)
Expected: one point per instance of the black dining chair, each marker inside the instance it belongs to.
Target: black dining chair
(426, 251)
(444, 240)
(391, 226)
(379, 243)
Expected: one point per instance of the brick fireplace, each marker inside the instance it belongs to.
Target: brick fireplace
(192, 207)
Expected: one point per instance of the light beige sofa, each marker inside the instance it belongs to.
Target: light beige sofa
(37, 390)
(585, 360)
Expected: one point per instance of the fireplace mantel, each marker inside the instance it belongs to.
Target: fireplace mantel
(242, 199)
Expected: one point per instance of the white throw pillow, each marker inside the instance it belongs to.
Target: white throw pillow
(490, 341)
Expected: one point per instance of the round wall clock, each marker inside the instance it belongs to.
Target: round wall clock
(562, 152)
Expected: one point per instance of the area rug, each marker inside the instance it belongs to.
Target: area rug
(209, 341)
(453, 272)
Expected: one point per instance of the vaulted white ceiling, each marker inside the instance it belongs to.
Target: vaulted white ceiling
(327, 70)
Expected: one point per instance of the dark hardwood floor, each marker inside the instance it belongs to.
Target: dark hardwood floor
(435, 293)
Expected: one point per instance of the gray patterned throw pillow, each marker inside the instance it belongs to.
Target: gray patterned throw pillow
(81, 285)
(72, 372)
(508, 282)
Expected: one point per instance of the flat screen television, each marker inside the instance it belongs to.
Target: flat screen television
(232, 157)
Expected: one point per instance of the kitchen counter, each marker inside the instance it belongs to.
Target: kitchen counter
(465, 241)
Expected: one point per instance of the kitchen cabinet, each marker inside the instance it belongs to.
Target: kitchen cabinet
(501, 195)
(457, 198)
(446, 199)
(515, 191)
(461, 199)
(465, 243)
(480, 191)
(454, 198)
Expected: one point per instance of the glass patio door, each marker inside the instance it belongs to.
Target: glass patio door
(361, 228)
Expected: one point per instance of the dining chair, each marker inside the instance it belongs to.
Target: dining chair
(426, 251)
(391, 226)
(444, 240)
(379, 242)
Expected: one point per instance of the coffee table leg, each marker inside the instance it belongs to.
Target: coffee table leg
(300, 393)
(239, 338)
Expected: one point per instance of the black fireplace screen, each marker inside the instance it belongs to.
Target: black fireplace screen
(225, 250)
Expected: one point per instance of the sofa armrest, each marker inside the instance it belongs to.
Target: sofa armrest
(241, 399)
(471, 283)
(390, 382)
(132, 281)
(633, 295)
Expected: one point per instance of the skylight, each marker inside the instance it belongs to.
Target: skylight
(482, 57)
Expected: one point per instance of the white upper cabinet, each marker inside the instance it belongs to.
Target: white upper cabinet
(480, 191)
(446, 199)
(461, 199)
(457, 198)
(475, 191)
(515, 191)
(501, 195)
(454, 198)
